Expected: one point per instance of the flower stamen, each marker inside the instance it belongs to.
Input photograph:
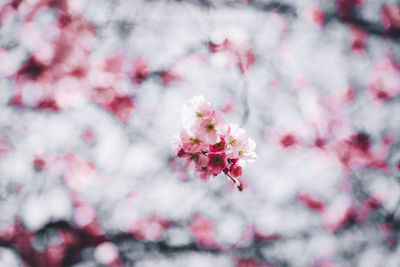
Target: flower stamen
(232, 142)
(210, 127)
(195, 141)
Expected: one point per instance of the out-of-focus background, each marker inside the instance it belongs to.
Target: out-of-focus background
(90, 97)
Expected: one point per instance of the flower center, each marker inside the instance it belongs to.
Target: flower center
(217, 161)
(194, 157)
(232, 142)
(210, 127)
(241, 152)
(198, 114)
(195, 140)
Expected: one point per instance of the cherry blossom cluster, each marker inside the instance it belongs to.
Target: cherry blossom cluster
(209, 145)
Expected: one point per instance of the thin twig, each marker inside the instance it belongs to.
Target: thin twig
(235, 181)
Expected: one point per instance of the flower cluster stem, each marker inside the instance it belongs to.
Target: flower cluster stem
(235, 181)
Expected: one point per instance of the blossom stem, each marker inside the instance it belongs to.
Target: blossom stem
(235, 181)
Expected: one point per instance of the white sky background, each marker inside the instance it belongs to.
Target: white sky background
(134, 158)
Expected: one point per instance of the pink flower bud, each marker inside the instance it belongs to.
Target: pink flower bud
(236, 170)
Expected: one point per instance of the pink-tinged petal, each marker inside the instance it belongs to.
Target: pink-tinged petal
(324, 263)
(233, 161)
(260, 235)
(198, 160)
(178, 168)
(288, 140)
(240, 146)
(139, 70)
(358, 37)
(282, 21)
(203, 231)
(192, 143)
(350, 94)
(181, 153)
(250, 262)
(150, 228)
(102, 95)
(200, 167)
(189, 161)
(170, 76)
(311, 202)
(32, 69)
(274, 84)
(20, 237)
(88, 136)
(16, 101)
(390, 232)
(212, 127)
(216, 163)
(122, 107)
(48, 103)
(84, 213)
(61, 5)
(4, 146)
(114, 63)
(229, 106)
(218, 147)
(76, 171)
(219, 46)
(246, 59)
(64, 19)
(5, 67)
(388, 140)
(384, 81)
(39, 163)
(301, 82)
(236, 52)
(247, 237)
(8, 9)
(360, 141)
(339, 219)
(235, 170)
(85, 218)
(352, 213)
(176, 143)
(195, 112)
(346, 8)
(391, 17)
(356, 152)
(315, 15)
(283, 51)
(203, 161)
(367, 206)
(107, 253)
(204, 174)
(319, 142)
(70, 91)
